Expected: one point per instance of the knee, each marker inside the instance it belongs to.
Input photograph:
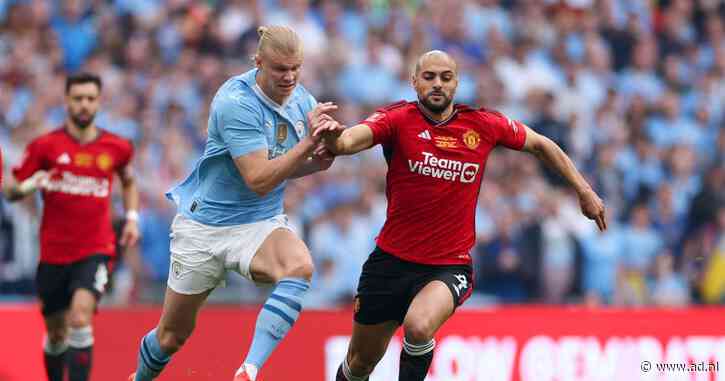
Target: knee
(80, 318)
(418, 330)
(171, 341)
(57, 336)
(300, 268)
(363, 362)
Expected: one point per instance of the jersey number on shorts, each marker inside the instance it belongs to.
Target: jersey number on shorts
(462, 285)
(101, 278)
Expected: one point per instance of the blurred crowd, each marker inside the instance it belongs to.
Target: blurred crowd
(633, 90)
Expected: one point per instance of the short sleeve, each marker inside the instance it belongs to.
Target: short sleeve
(383, 130)
(509, 133)
(31, 162)
(241, 127)
(126, 155)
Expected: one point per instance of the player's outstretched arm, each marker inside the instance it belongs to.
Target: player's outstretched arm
(551, 154)
(349, 141)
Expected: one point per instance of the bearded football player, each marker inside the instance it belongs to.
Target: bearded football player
(74, 167)
(420, 271)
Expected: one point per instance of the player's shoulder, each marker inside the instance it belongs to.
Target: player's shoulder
(50, 137)
(109, 137)
(397, 108)
(234, 94)
(482, 113)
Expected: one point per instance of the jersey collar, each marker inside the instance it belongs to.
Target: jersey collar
(70, 136)
(250, 79)
(434, 122)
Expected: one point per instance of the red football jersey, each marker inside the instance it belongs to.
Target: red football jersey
(434, 177)
(77, 201)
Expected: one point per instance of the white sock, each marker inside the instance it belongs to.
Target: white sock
(251, 371)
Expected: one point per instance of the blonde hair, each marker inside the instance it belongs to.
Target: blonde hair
(279, 39)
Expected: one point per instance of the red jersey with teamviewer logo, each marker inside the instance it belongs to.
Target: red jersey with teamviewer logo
(434, 177)
(77, 200)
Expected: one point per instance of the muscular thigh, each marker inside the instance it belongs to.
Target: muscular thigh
(280, 253)
(436, 296)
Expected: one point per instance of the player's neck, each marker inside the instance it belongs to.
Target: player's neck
(438, 117)
(279, 100)
(82, 135)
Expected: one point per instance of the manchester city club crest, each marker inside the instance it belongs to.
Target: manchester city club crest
(300, 129)
(176, 269)
(281, 132)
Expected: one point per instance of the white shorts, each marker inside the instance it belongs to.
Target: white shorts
(201, 254)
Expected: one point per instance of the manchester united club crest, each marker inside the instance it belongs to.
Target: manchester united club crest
(104, 162)
(471, 139)
(281, 132)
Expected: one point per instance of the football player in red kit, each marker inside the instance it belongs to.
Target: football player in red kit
(74, 167)
(420, 271)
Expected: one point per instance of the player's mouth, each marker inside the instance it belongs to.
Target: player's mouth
(288, 86)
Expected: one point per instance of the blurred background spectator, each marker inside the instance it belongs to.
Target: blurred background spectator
(634, 91)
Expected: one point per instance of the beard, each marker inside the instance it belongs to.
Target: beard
(435, 108)
(82, 122)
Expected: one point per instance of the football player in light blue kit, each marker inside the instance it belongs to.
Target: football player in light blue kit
(263, 130)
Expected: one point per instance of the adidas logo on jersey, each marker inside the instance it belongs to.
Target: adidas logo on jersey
(63, 159)
(424, 135)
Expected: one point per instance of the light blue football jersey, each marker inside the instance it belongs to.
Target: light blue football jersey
(242, 119)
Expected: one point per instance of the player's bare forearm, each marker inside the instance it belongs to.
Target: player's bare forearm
(310, 166)
(351, 140)
(263, 175)
(552, 155)
(129, 194)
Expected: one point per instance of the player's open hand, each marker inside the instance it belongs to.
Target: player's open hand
(321, 122)
(130, 234)
(320, 114)
(593, 207)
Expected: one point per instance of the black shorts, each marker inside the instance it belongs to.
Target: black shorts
(388, 285)
(57, 283)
